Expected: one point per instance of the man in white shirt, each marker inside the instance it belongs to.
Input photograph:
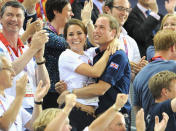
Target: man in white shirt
(12, 116)
(12, 17)
(120, 9)
(143, 22)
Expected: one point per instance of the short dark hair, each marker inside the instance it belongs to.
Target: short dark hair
(54, 5)
(159, 81)
(14, 4)
(109, 3)
(74, 22)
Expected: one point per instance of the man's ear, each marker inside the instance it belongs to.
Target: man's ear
(106, 10)
(164, 93)
(173, 48)
(114, 33)
(55, 12)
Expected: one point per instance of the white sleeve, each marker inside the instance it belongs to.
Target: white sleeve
(86, 129)
(136, 53)
(25, 116)
(91, 52)
(69, 61)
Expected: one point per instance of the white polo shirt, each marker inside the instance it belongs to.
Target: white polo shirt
(130, 46)
(28, 101)
(69, 61)
(22, 118)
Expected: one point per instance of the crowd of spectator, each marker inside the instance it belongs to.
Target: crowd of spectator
(87, 65)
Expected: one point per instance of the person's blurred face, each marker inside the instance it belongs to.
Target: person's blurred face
(6, 73)
(76, 38)
(145, 3)
(170, 23)
(117, 124)
(67, 13)
(102, 33)
(12, 19)
(67, 126)
(121, 10)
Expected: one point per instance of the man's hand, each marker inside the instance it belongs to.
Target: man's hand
(140, 123)
(121, 100)
(161, 126)
(86, 12)
(39, 39)
(61, 98)
(21, 86)
(29, 5)
(33, 27)
(60, 87)
(170, 6)
(41, 91)
(152, 4)
(136, 67)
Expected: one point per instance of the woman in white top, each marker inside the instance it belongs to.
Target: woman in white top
(75, 68)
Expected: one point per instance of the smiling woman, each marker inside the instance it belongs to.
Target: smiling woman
(75, 69)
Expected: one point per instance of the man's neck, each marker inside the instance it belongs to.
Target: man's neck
(58, 26)
(164, 54)
(12, 38)
(144, 5)
(159, 100)
(104, 46)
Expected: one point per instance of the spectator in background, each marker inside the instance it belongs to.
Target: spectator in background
(58, 13)
(168, 22)
(144, 21)
(163, 89)
(164, 59)
(12, 17)
(13, 116)
(78, 5)
(120, 9)
(56, 119)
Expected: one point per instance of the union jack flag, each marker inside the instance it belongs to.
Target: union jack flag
(114, 65)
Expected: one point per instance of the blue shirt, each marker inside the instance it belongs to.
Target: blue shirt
(53, 48)
(117, 74)
(142, 95)
(158, 109)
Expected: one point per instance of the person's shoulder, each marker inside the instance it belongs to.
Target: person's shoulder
(120, 53)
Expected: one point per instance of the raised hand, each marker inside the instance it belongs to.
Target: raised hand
(21, 86)
(170, 5)
(60, 87)
(161, 126)
(33, 27)
(41, 91)
(39, 39)
(140, 123)
(121, 100)
(86, 12)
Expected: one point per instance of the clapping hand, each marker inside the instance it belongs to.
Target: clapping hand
(41, 91)
(86, 12)
(60, 87)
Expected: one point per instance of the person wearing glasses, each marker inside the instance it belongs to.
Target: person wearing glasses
(144, 21)
(120, 9)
